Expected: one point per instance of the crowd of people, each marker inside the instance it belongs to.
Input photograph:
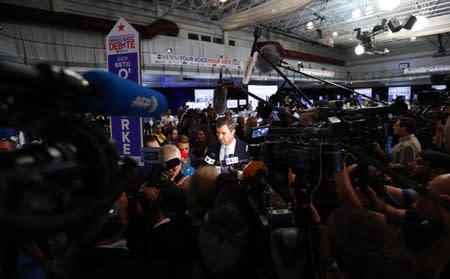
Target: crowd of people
(193, 218)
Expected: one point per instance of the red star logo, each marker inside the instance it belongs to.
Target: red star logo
(121, 27)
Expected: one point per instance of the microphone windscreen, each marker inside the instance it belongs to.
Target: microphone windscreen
(220, 99)
(112, 95)
(272, 54)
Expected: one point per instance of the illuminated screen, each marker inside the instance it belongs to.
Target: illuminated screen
(262, 91)
(195, 105)
(439, 86)
(402, 91)
(204, 97)
(365, 91)
(232, 104)
(242, 102)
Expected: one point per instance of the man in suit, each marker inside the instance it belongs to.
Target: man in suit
(228, 146)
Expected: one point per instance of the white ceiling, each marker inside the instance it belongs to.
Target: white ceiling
(328, 16)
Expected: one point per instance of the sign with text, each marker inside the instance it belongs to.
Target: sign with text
(172, 59)
(122, 51)
(123, 131)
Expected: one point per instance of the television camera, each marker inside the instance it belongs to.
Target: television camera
(73, 174)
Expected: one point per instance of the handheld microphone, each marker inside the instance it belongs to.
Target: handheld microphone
(112, 95)
(220, 96)
(49, 87)
(250, 60)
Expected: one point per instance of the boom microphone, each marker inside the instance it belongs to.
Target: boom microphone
(272, 54)
(220, 97)
(250, 60)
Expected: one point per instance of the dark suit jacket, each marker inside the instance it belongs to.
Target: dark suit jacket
(240, 151)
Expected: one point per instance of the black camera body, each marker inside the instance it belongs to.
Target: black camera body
(433, 98)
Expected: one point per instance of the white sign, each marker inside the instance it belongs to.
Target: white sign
(318, 73)
(172, 59)
(427, 69)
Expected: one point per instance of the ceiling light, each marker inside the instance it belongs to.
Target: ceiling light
(421, 23)
(359, 49)
(309, 25)
(410, 22)
(223, 1)
(334, 34)
(356, 13)
(394, 25)
(169, 50)
(388, 5)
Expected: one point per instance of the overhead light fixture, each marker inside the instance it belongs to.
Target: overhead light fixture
(409, 22)
(359, 49)
(334, 34)
(169, 50)
(394, 25)
(356, 13)
(223, 1)
(309, 25)
(388, 5)
(421, 23)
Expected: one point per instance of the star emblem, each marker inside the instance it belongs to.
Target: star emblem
(121, 27)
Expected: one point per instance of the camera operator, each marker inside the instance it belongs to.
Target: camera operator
(441, 138)
(14, 255)
(408, 147)
(428, 240)
(427, 166)
(162, 245)
(172, 201)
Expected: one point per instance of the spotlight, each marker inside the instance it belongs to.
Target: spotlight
(169, 50)
(409, 22)
(359, 49)
(394, 25)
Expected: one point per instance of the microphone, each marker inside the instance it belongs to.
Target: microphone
(112, 95)
(271, 53)
(49, 87)
(220, 96)
(250, 60)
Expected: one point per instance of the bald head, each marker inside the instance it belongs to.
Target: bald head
(440, 184)
(170, 152)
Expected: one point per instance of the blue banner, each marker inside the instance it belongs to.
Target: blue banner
(125, 131)
(124, 65)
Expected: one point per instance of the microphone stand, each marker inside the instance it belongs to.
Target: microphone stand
(269, 104)
(332, 83)
(286, 79)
